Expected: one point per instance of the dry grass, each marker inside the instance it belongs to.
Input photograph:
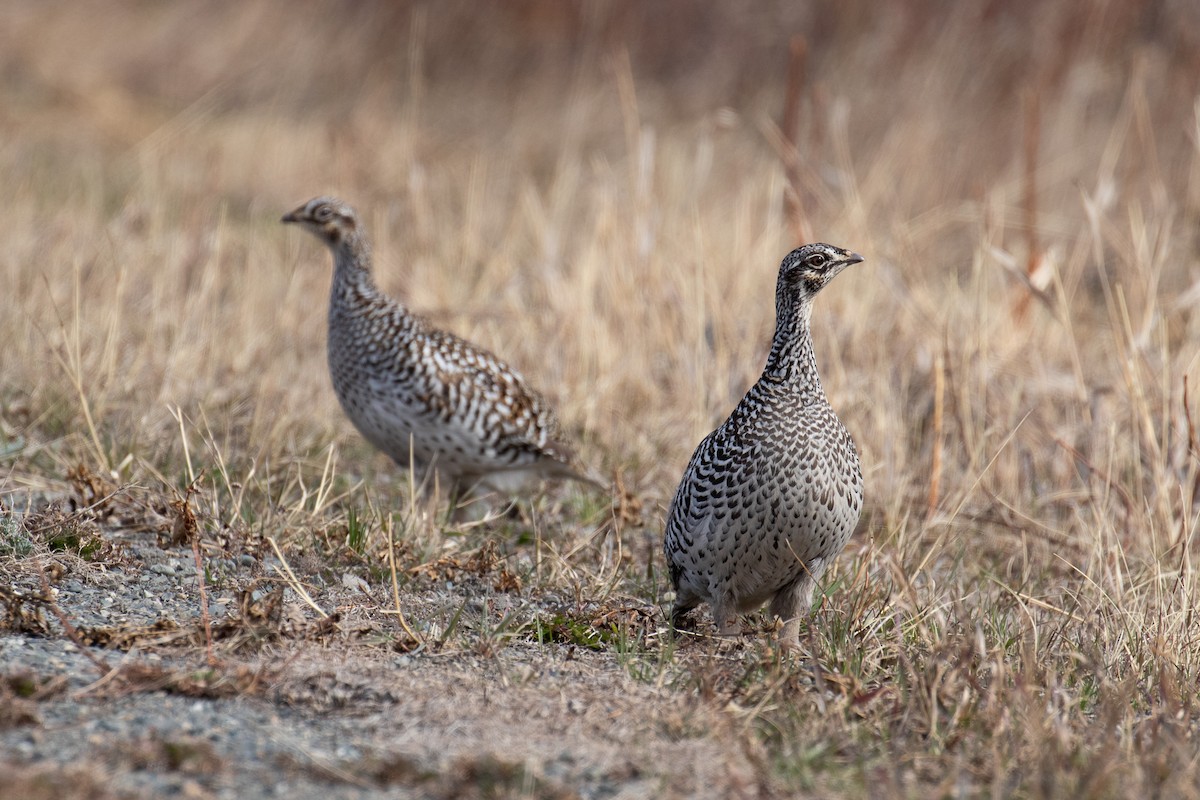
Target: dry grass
(1014, 616)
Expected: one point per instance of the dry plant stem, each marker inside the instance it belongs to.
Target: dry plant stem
(292, 581)
(177, 413)
(186, 519)
(205, 617)
(770, 695)
(1106, 479)
(49, 688)
(187, 528)
(1193, 443)
(537, 553)
(89, 507)
(107, 677)
(68, 628)
(73, 368)
(322, 764)
(396, 584)
(939, 401)
(1023, 597)
(223, 468)
(325, 487)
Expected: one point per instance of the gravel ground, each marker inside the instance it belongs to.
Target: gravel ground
(333, 716)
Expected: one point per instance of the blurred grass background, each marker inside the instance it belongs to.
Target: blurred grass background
(596, 191)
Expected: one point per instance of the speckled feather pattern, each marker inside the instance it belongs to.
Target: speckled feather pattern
(770, 497)
(466, 414)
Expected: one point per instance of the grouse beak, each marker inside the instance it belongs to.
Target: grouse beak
(851, 258)
(291, 216)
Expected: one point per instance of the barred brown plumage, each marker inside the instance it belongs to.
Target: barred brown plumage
(770, 497)
(457, 413)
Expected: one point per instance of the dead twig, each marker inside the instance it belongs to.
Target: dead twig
(396, 584)
(188, 529)
(292, 581)
(68, 628)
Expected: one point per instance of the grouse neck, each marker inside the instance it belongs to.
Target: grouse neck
(352, 270)
(792, 360)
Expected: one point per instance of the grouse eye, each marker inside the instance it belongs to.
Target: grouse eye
(817, 260)
(323, 213)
